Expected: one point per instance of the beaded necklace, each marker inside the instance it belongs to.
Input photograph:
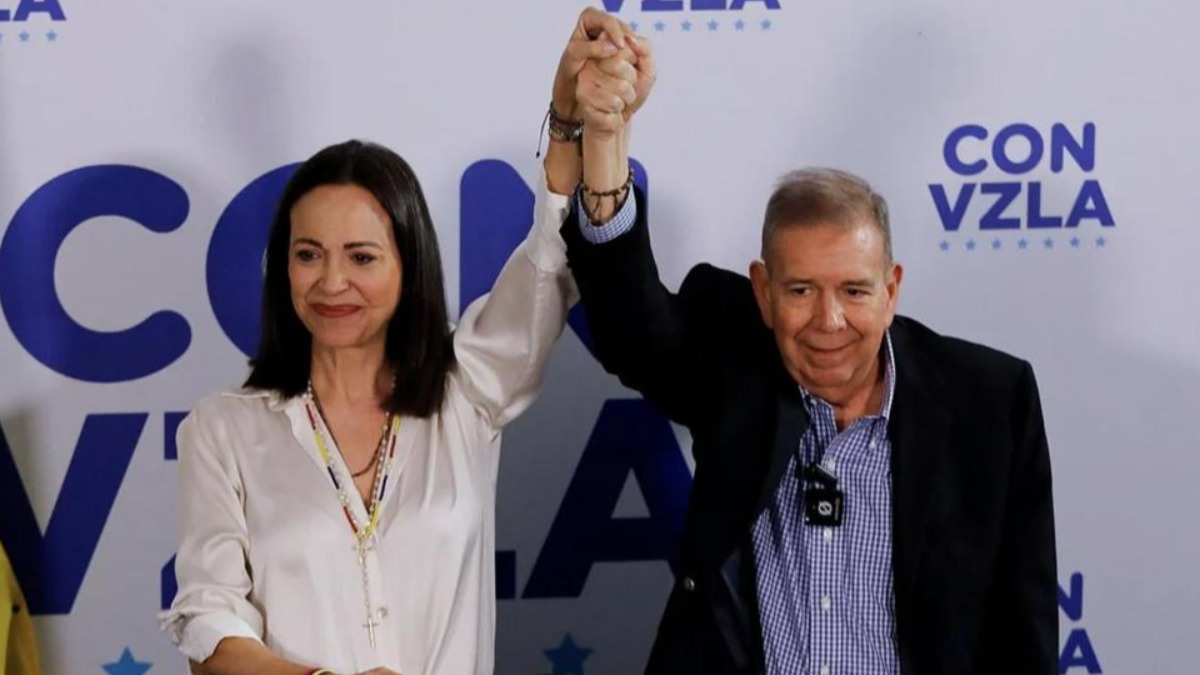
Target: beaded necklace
(364, 535)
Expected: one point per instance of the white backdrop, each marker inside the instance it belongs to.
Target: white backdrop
(211, 95)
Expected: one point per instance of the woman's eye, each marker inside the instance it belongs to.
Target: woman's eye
(306, 255)
(363, 258)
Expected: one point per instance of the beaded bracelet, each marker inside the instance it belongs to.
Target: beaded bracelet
(619, 196)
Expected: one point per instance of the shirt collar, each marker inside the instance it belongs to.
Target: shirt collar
(275, 401)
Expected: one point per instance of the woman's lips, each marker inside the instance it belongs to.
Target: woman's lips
(334, 311)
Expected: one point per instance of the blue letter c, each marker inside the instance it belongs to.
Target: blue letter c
(27, 259)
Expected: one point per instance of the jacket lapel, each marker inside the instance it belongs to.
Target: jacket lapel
(791, 419)
(735, 605)
(919, 428)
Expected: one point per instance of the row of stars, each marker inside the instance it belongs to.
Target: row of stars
(567, 657)
(1023, 244)
(713, 26)
(24, 36)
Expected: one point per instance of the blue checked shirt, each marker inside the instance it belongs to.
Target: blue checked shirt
(619, 224)
(824, 593)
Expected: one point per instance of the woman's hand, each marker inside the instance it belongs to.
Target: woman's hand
(597, 35)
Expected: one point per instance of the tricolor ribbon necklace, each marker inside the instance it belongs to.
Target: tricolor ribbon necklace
(364, 535)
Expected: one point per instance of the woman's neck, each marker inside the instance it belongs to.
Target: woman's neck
(350, 376)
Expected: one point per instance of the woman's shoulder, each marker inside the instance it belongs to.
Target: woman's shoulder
(239, 404)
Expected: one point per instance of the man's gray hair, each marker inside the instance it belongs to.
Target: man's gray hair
(820, 196)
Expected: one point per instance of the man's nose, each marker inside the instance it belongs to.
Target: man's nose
(830, 315)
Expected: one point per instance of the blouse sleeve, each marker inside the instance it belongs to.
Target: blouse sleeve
(504, 338)
(212, 602)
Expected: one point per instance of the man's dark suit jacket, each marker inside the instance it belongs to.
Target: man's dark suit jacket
(972, 514)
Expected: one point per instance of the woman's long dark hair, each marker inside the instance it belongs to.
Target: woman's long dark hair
(419, 347)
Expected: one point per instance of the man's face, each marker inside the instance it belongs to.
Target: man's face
(829, 294)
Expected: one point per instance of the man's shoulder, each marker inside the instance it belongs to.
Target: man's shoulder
(711, 290)
(720, 306)
(956, 358)
(709, 280)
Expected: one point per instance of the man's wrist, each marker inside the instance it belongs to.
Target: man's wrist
(605, 164)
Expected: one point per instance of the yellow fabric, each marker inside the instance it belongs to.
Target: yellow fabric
(18, 649)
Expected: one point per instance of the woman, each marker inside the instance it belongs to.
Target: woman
(338, 513)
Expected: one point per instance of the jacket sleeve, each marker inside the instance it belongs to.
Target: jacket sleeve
(1021, 626)
(640, 331)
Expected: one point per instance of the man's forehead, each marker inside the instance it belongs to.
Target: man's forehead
(827, 246)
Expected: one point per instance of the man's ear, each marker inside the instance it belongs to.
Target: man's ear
(892, 283)
(760, 279)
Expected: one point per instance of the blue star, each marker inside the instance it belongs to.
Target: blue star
(1023, 244)
(52, 37)
(739, 24)
(659, 26)
(945, 245)
(634, 26)
(712, 25)
(766, 24)
(127, 665)
(1101, 241)
(24, 36)
(568, 657)
(1048, 243)
(686, 26)
(996, 244)
(1074, 242)
(970, 244)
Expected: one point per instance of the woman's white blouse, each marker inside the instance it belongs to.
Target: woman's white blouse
(266, 552)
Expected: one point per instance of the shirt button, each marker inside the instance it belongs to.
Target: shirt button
(831, 464)
(872, 444)
(824, 670)
(827, 533)
(689, 585)
(383, 612)
(826, 604)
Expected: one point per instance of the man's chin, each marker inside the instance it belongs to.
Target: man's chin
(816, 379)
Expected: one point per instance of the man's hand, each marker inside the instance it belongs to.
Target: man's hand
(610, 90)
(597, 35)
(604, 93)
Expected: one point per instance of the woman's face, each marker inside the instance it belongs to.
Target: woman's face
(344, 266)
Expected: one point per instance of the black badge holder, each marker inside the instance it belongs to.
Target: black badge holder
(823, 505)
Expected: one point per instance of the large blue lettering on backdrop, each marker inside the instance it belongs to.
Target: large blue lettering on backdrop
(684, 5)
(27, 255)
(51, 8)
(1077, 654)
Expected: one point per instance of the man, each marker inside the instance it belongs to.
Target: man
(869, 496)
